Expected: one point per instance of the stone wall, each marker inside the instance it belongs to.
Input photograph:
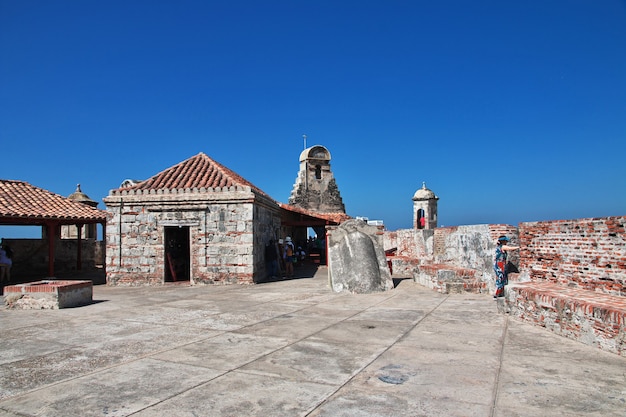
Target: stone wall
(220, 244)
(134, 245)
(584, 253)
(222, 248)
(462, 252)
(471, 246)
(30, 256)
(410, 243)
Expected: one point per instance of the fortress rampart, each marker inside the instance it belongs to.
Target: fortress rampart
(569, 276)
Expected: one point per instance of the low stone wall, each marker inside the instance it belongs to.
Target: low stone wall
(573, 275)
(410, 243)
(589, 317)
(30, 256)
(449, 279)
(402, 266)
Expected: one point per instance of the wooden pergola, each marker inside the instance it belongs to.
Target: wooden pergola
(24, 204)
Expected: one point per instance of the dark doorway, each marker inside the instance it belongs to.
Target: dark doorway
(421, 219)
(176, 253)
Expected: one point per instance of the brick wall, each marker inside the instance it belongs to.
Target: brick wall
(497, 230)
(584, 253)
(410, 243)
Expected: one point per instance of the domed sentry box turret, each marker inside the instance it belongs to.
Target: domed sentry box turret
(88, 231)
(425, 208)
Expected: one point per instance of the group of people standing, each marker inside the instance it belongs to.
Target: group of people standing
(284, 252)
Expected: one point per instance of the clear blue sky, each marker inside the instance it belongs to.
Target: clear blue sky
(509, 111)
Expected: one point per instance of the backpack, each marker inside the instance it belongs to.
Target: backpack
(289, 250)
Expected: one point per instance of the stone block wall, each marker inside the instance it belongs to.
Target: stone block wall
(131, 239)
(222, 241)
(30, 256)
(222, 251)
(573, 274)
(220, 244)
(584, 253)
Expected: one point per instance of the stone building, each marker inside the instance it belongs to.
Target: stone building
(197, 221)
(315, 188)
(425, 208)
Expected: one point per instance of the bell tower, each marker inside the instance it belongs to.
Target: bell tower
(315, 188)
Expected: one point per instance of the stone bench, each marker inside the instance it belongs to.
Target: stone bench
(594, 318)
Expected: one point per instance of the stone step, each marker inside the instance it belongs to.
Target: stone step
(593, 318)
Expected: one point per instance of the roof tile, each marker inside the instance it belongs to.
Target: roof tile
(199, 171)
(337, 217)
(21, 202)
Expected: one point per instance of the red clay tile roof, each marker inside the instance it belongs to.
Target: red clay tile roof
(199, 171)
(23, 203)
(337, 218)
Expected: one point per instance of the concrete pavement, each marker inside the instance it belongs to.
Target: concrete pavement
(294, 348)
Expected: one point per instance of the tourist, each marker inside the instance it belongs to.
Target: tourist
(499, 265)
(288, 256)
(301, 253)
(5, 263)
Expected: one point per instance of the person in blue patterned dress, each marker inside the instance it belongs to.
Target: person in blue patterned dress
(499, 265)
